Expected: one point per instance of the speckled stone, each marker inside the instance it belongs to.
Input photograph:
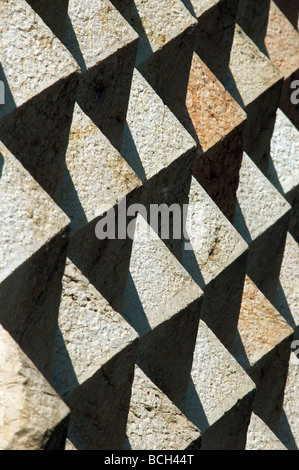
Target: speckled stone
(287, 303)
(216, 122)
(256, 85)
(159, 149)
(220, 394)
(282, 44)
(41, 79)
(287, 295)
(96, 179)
(262, 347)
(260, 437)
(262, 219)
(54, 14)
(104, 46)
(283, 171)
(214, 33)
(165, 48)
(162, 303)
(32, 416)
(217, 262)
(154, 422)
(33, 238)
(94, 364)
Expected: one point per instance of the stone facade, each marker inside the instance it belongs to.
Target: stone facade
(119, 331)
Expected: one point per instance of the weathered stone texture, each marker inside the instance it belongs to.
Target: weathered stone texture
(32, 416)
(154, 423)
(262, 218)
(33, 238)
(216, 122)
(148, 225)
(256, 85)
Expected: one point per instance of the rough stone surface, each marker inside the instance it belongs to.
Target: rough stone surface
(91, 337)
(33, 240)
(159, 150)
(282, 45)
(165, 47)
(260, 437)
(262, 347)
(54, 14)
(154, 422)
(40, 79)
(162, 300)
(216, 123)
(102, 132)
(32, 416)
(256, 85)
(216, 261)
(214, 33)
(220, 394)
(283, 171)
(104, 46)
(287, 296)
(261, 218)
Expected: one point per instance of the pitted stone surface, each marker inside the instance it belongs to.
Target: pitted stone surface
(283, 171)
(260, 329)
(29, 217)
(282, 42)
(96, 176)
(31, 412)
(154, 422)
(92, 332)
(287, 296)
(216, 122)
(98, 29)
(259, 202)
(157, 22)
(163, 286)
(156, 134)
(32, 58)
(252, 71)
(215, 242)
(260, 437)
(218, 381)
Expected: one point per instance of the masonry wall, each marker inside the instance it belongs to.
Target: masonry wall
(133, 334)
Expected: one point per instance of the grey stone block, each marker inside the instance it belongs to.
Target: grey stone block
(94, 365)
(159, 150)
(32, 416)
(104, 45)
(262, 219)
(217, 261)
(162, 303)
(40, 79)
(263, 347)
(283, 171)
(220, 395)
(154, 422)
(256, 85)
(96, 179)
(165, 47)
(282, 44)
(33, 239)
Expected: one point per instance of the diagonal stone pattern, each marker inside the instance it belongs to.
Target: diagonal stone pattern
(146, 341)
